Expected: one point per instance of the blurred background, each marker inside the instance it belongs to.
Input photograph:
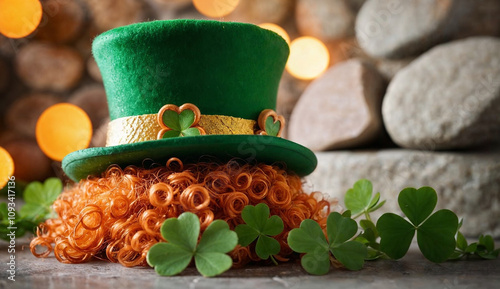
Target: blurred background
(403, 92)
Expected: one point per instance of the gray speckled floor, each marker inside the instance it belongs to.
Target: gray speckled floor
(413, 271)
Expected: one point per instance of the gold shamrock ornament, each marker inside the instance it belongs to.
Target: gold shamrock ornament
(178, 121)
(270, 123)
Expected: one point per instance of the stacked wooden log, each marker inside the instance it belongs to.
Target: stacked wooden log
(41, 70)
(54, 64)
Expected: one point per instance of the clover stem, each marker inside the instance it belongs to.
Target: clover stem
(367, 215)
(336, 263)
(274, 260)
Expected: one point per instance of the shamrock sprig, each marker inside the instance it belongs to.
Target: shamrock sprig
(259, 226)
(435, 233)
(341, 244)
(484, 248)
(359, 199)
(38, 199)
(438, 228)
(182, 246)
(310, 239)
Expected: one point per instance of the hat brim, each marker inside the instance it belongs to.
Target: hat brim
(251, 148)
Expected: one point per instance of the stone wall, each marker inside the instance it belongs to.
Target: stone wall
(419, 106)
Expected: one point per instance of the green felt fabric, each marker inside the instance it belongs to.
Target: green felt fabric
(224, 68)
(248, 148)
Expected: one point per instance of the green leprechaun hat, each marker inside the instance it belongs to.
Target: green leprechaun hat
(190, 89)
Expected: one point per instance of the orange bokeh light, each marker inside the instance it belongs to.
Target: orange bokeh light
(61, 129)
(19, 18)
(276, 29)
(215, 8)
(6, 167)
(308, 59)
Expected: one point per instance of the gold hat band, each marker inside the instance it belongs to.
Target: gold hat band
(133, 129)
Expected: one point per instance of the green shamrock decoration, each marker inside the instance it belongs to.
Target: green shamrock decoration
(272, 127)
(179, 123)
(261, 227)
(270, 123)
(310, 239)
(182, 234)
(435, 233)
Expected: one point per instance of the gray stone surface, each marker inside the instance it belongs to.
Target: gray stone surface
(467, 183)
(340, 109)
(403, 28)
(399, 29)
(447, 98)
(413, 271)
(325, 19)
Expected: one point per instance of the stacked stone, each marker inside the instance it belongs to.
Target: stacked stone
(421, 109)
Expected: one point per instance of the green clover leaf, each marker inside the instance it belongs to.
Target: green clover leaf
(186, 119)
(272, 127)
(461, 241)
(181, 235)
(4, 212)
(171, 133)
(435, 233)
(179, 123)
(192, 131)
(396, 239)
(359, 199)
(485, 248)
(169, 259)
(310, 239)
(417, 205)
(211, 258)
(339, 230)
(261, 227)
(369, 238)
(39, 197)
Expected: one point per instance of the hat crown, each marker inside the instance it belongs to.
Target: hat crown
(223, 68)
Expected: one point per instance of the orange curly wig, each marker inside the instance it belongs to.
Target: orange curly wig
(118, 216)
